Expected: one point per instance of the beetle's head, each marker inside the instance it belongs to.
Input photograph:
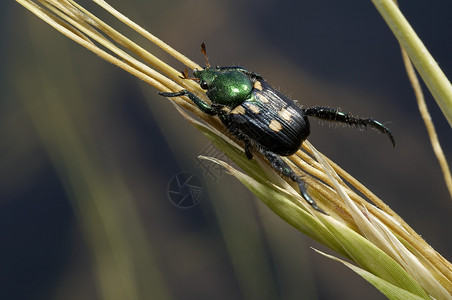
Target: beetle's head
(206, 77)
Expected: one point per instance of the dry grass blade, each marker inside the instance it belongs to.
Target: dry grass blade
(428, 121)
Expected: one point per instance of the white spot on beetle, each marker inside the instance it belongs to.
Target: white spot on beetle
(275, 125)
(261, 98)
(258, 85)
(239, 110)
(254, 108)
(285, 114)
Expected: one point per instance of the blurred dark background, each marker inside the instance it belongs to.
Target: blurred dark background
(87, 152)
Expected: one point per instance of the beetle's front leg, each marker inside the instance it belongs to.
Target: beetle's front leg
(203, 106)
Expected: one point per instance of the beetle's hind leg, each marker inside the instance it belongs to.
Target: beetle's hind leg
(331, 114)
(283, 168)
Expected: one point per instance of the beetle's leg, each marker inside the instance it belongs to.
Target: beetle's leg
(332, 114)
(245, 140)
(203, 106)
(282, 167)
(248, 153)
(226, 120)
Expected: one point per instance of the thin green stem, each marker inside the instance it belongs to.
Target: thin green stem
(431, 73)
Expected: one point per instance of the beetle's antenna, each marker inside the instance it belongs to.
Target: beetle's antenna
(203, 50)
(185, 75)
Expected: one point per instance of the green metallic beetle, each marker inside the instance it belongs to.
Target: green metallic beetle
(263, 118)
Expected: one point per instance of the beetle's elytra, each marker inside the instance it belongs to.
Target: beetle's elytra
(263, 118)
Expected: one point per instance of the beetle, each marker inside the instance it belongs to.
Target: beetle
(262, 117)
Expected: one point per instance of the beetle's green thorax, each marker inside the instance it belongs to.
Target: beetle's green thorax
(229, 88)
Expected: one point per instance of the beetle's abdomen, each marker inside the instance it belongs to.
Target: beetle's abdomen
(270, 120)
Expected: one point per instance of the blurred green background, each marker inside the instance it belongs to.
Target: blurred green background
(87, 152)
